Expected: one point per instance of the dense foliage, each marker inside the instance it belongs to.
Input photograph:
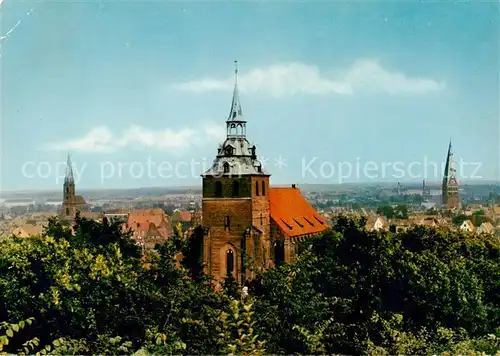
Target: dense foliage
(423, 291)
(398, 212)
(477, 218)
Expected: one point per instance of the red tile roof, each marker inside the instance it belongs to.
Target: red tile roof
(90, 215)
(181, 215)
(293, 214)
(141, 221)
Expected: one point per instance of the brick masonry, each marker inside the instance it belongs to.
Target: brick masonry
(249, 222)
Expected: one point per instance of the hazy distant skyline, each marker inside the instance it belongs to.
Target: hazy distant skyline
(122, 82)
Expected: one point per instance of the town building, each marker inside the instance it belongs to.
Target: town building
(148, 226)
(376, 223)
(467, 226)
(248, 225)
(486, 228)
(27, 230)
(450, 188)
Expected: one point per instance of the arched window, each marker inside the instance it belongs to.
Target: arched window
(218, 189)
(257, 188)
(263, 188)
(229, 261)
(67, 211)
(261, 219)
(236, 188)
(227, 223)
(226, 167)
(279, 252)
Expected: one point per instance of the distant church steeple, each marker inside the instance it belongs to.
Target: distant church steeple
(69, 180)
(450, 189)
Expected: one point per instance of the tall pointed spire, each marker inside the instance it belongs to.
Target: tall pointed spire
(450, 189)
(452, 175)
(236, 113)
(235, 123)
(446, 174)
(69, 177)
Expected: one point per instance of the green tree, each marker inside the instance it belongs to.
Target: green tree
(422, 291)
(386, 210)
(401, 211)
(230, 286)
(459, 219)
(85, 286)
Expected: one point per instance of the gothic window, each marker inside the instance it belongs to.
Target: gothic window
(229, 261)
(226, 167)
(279, 252)
(257, 188)
(236, 188)
(218, 189)
(227, 223)
(263, 188)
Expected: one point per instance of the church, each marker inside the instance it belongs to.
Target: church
(72, 203)
(248, 225)
(450, 187)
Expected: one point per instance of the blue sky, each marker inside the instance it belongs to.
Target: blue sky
(120, 84)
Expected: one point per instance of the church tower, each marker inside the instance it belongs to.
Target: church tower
(68, 190)
(72, 203)
(450, 192)
(235, 205)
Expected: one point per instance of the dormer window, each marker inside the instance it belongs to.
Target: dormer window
(298, 223)
(229, 151)
(318, 220)
(226, 167)
(310, 223)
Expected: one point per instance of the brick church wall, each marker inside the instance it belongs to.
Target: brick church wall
(245, 211)
(214, 216)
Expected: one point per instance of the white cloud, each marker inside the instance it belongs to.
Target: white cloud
(293, 78)
(100, 139)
